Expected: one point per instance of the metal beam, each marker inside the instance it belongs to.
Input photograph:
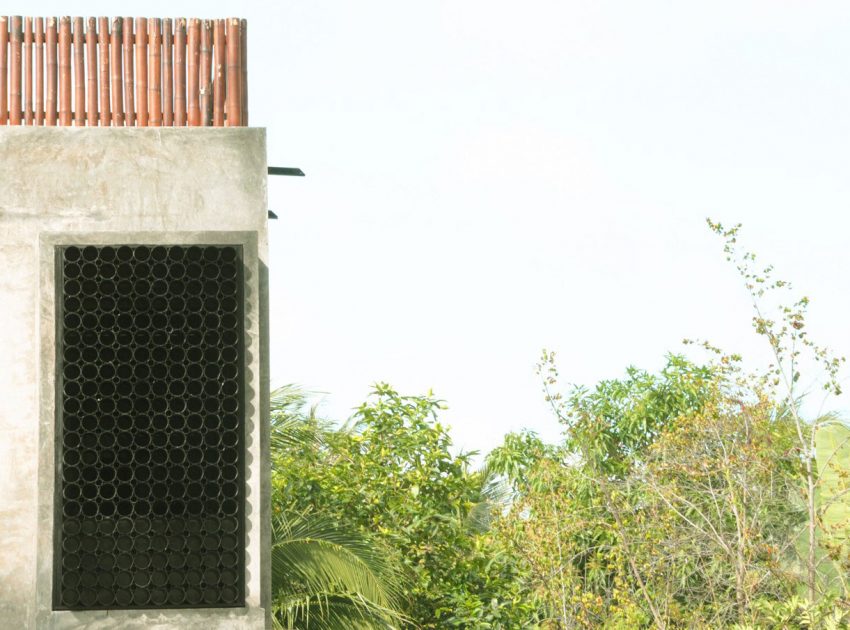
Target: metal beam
(286, 170)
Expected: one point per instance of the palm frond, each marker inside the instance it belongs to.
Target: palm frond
(492, 496)
(294, 423)
(324, 572)
(333, 611)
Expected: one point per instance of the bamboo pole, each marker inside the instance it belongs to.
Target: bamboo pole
(234, 74)
(155, 73)
(50, 105)
(219, 86)
(142, 72)
(127, 34)
(65, 113)
(39, 71)
(167, 74)
(180, 72)
(15, 90)
(205, 72)
(79, 73)
(192, 55)
(91, 72)
(117, 88)
(243, 58)
(145, 72)
(4, 40)
(103, 53)
(28, 104)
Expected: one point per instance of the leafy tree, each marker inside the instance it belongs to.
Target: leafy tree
(697, 497)
(325, 575)
(578, 516)
(611, 426)
(727, 475)
(782, 323)
(390, 475)
(677, 499)
(669, 503)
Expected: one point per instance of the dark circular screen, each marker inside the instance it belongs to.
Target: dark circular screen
(150, 412)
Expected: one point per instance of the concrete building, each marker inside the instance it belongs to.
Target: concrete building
(133, 398)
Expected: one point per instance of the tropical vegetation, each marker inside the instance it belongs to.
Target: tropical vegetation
(706, 495)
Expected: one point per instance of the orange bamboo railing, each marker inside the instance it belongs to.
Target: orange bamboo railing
(123, 72)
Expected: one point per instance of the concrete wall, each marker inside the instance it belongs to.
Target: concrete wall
(99, 186)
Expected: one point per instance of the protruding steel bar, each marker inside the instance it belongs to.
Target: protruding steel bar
(4, 68)
(103, 48)
(130, 109)
(65, 113)
(15, 53)
(285, 170)
(154, 73)
(50, 105)
(205, 65)
(219, 86)
(117, 87)
(193, 52)
(141, 72)
(180, 72)
(167, 73)
(79, 73)
(243, 57)
(234, 73)
(28, 103)
(39, 71)
(91, 72)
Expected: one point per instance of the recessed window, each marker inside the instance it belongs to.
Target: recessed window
(150, 427)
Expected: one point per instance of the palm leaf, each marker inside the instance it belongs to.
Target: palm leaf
(493, 495)
(294, 423)
(324, 574)
(331, 611)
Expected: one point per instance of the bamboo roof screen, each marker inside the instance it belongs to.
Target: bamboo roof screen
(123, 72)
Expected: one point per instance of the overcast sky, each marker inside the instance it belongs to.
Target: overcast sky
(488, 178)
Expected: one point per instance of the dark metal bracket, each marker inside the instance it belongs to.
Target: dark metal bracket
(283, 170)
(286, 170)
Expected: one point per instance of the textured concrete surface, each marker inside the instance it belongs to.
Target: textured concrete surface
(64, 186)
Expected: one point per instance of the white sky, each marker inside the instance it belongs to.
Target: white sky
(488, 178)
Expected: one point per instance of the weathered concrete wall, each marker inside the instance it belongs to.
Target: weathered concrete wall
(103, 186)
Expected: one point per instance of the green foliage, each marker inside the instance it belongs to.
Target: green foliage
(611, 425)
(727, 475)
(783, 324)
(798, 614)
(581, 514)
(517, 457)
(391, 476)
(833, 461)
(669, 503)
(696, 497)
(325, 575)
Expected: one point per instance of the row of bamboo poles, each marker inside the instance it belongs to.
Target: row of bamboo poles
(142, 72)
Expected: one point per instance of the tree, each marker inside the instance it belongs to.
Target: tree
(325, 575)
(825, 492)
(579, 515)
(669, 503)
(727, 475)
(390, 475)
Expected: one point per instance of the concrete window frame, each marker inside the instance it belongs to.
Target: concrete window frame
(255, 613)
